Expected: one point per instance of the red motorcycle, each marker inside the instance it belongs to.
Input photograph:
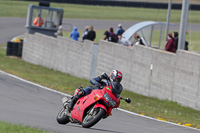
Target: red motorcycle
(89, 109)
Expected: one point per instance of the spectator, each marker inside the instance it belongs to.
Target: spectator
(122, 42)
(75, 34)
(38, 21)
(170, 45)
(186, 45)
(91, 34)
(109, 37)
(112, 33)
(138, 40)
(119, 30)
(175, 35)
(60, 31)
(85, 32)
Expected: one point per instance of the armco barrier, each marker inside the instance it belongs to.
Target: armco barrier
(146, 70)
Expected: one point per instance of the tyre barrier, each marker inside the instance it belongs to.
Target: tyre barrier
(14, 48)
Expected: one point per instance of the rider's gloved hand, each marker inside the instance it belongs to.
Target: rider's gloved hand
(104, 76)
(98, 85)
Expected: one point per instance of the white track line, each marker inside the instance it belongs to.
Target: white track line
(24, 80)
(156, 119)
(70, 96)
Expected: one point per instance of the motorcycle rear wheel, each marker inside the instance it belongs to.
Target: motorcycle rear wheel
(93, 117)
(62, 118)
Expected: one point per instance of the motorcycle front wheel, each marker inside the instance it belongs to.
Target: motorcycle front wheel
(93, 117)
(62, 118)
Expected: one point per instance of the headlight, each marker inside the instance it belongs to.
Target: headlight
(112, 103)
(108, 99)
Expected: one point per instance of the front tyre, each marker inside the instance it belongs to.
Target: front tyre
(93, 117)
(62, 117)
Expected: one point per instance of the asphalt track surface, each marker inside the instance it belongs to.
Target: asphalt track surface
(26, 103)
(12, 27)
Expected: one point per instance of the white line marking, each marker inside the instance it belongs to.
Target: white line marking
(24, 80)
(155, 119)
(70, 96)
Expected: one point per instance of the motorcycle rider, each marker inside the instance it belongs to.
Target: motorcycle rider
(114, 80)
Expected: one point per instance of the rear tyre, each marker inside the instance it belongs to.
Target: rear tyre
(62, 117)
(93, 117)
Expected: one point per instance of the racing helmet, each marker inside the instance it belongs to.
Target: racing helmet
(115, 75)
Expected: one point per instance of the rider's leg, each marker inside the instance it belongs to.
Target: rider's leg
(74, 99)
(80, 94)
(87, 90)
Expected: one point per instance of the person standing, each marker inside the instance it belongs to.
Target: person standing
(119, 30)
(38, 21)
(75, 34)
(138, 40)
(170, 45)
(91, 34)
(59, 32)
(113, 34)
(175, 36)
(110, 36)
(122, 42)
(85, 32)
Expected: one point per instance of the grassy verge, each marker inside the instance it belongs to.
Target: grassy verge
(98, 12)
(160, 109)
(11, 128)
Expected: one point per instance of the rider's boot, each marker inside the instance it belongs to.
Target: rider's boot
(74, 100)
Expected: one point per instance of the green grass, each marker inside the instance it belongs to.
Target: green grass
(11, 128)
(41, 75)
(164, 109)
(161, 109)
(19, 9)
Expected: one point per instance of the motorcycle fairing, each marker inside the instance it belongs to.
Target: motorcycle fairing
(85, 102)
